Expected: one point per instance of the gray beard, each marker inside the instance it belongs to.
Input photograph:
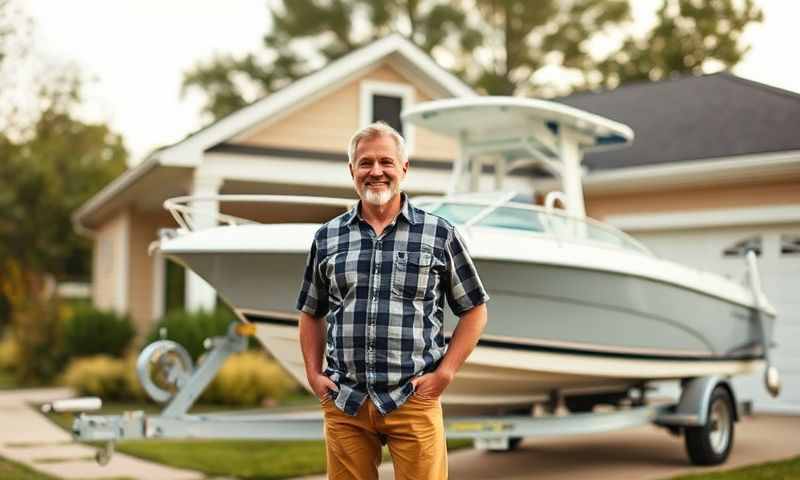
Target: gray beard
(380, 198)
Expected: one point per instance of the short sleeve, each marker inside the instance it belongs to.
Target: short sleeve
(464, 290)
(313, 298)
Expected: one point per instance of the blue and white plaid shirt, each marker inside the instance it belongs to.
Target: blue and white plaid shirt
(383, 299)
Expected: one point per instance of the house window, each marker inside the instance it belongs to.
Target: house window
(790, 244)
(388, 108)
(385, 101)
(740, 248)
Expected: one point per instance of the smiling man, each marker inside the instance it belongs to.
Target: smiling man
(372, 304)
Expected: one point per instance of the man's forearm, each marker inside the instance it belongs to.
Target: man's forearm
(465, 337)
(312, 341)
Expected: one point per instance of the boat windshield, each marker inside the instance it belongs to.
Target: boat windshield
(531, 219)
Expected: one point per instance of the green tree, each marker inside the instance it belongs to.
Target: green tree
(498, 46)
(50, 163)
(495, 45)
(689, 37)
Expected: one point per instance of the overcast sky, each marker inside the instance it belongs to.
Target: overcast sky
(138, 50)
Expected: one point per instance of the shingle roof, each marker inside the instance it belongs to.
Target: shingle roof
(692, 118)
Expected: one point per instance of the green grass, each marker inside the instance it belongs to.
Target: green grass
(782, 470)
(244, 459)
(9, 469)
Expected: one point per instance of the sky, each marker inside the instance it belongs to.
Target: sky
(136, 51)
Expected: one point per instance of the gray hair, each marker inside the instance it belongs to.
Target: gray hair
(378, 129)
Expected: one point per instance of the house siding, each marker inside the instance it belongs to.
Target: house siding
(327, 123)
(705, 198)
(143, 230)
(108, 263)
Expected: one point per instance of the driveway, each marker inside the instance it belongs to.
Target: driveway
(642, 453)
(29, 438)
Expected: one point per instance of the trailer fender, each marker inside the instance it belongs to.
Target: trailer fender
(696, 396)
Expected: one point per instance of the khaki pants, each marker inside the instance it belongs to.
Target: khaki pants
(414, 434)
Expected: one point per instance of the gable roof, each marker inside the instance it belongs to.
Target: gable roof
(394, 46)
(188, 152)
(694, 118)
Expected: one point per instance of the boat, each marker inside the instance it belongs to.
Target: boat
(580, 313)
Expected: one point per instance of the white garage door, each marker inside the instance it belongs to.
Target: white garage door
(717, 250)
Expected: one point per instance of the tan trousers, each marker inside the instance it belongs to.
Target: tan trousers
(414, 434)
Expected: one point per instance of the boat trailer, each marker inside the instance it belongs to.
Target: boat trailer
(705, 413)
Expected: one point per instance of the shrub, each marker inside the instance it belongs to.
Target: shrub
(104, 376)
(89, 331)
(36, 331)
(249, 378)
(9, 352)
(190, 329)
(99, 375)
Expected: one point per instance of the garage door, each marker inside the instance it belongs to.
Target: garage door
(721, 250)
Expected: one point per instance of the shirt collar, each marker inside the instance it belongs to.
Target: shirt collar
(406, 210)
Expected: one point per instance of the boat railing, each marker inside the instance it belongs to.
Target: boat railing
(187, 209)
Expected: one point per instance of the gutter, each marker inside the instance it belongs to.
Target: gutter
(119, 184)
(688, 173)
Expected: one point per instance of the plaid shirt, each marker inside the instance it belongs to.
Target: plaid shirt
(383, 298)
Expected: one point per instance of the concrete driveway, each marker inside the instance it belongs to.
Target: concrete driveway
(640, 453)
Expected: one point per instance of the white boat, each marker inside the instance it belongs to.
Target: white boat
(578, 310)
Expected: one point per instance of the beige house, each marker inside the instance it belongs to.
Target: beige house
(714, 171)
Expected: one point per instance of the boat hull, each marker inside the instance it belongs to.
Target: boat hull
(550, 328)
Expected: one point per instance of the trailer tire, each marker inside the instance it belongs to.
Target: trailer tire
(710, 444)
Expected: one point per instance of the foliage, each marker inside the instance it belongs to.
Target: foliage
(9, 352)
(104, 376)
(46, 178)
(191, 329)
(501, 47)
(249, 378)
(52, 162)
(37, 320)
(89, 331)
(689, 37)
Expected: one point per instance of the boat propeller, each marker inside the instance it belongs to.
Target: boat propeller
(163, 368)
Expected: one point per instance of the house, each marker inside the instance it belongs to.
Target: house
(714, 171)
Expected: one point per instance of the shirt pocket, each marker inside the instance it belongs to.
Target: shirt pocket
(411, 273)
(342, 275)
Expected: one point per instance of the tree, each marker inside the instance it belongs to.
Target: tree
(689, 37)
(50, 163)
(495, 45)
(499, 46)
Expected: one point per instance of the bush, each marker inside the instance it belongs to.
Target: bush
(190, 329)
(249, 378)
(37, 332)
(104, 376)
(89, 331)
(9, 352)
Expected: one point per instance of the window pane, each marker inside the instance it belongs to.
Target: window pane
(388, 109)
(740, 248)
(790, 244)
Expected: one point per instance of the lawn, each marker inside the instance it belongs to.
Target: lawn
(783, 470)
(244, 459)
(9, 469)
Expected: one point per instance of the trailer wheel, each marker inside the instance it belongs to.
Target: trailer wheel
(711, 443)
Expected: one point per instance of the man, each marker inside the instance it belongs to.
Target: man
(372, 302)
